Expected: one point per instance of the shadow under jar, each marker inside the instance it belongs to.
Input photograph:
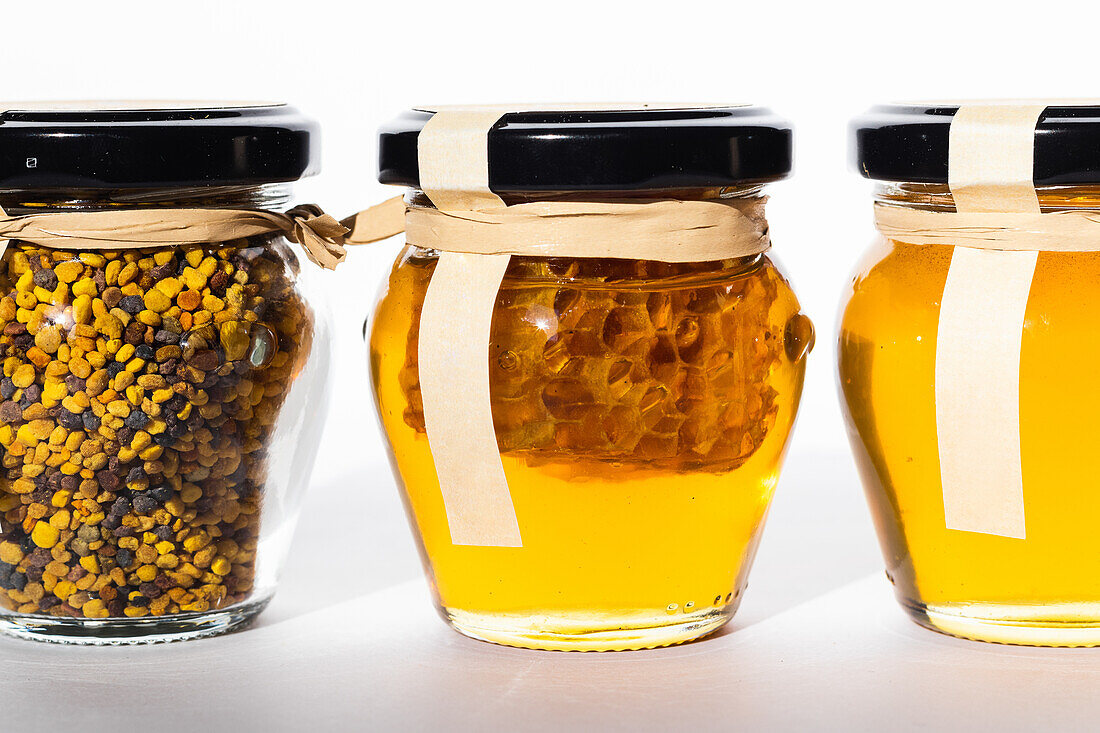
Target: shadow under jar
(1038, 587)
(641, 410)
(159, 406)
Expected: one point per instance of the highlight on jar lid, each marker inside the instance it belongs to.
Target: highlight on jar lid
(587, 366)
(164, 372)
(145, 144)
(962, 346)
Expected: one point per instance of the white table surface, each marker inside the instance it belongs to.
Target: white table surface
(351, 643)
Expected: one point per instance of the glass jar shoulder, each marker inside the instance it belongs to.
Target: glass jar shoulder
(899, 285)
(414, 266)
(895, 284)
(552, 293)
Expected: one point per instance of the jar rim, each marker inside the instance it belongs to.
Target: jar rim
(937, 196)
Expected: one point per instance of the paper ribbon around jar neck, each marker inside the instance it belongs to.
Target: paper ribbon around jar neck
(997, 233)
(477, 233)
(320, 236)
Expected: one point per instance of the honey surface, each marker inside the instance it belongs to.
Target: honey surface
(641, 410)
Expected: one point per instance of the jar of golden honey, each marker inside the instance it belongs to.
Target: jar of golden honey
(965, 365)
(164, 370)
(587, 366)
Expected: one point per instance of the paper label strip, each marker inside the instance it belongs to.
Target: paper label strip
(453, 158)
(458, 419)
(990, 169)
(991, 158)
(454, 339)
(978, 390)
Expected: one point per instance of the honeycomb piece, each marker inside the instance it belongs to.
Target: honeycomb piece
(626, 362)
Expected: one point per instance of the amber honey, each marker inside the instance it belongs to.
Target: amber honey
(1037, 590)
(641, 410)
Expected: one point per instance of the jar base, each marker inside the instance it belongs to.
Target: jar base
(1077, 624)
(130, 631)
(587, 632)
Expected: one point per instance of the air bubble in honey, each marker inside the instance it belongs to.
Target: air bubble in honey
(798, 337)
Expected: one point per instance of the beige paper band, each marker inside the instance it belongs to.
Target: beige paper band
(458, 419)
(379, 222)
(991, 158)
(319, 234)
(454, 338)
(666, 231)
(978, 390)
(990, 169)
(673, 230)
(1058, 231)
(453, 157)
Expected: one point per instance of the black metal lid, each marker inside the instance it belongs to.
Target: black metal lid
(908, 142)
(628, 150)
(143, 145)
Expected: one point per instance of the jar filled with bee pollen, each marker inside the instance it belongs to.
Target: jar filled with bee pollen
(159, 405)
(638, 409)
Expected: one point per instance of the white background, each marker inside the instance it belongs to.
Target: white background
(355, 65)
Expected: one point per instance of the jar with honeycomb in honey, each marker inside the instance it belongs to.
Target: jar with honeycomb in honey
(587, 365)
(966, 362)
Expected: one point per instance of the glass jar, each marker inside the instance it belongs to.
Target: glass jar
(159, 406)
(1032, 586)
(641, 410)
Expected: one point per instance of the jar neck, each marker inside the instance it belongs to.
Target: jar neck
(36, 200)
(937, 196)
(417, 198)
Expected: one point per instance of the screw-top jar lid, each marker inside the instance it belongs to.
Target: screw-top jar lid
(640, 148)
(909, 142)
(154, 144)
